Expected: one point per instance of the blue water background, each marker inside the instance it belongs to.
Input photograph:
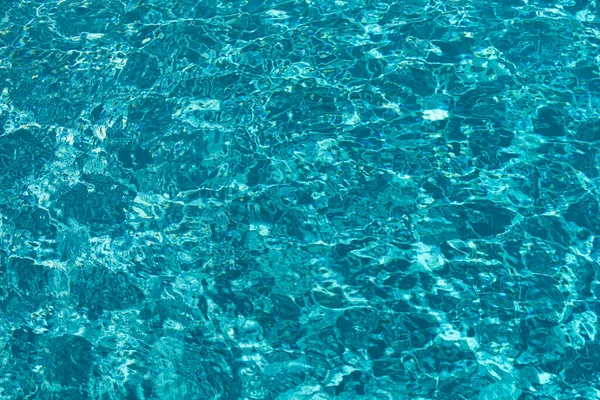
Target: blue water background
(299, 199)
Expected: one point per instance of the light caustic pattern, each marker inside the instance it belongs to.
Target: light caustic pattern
(299, 199)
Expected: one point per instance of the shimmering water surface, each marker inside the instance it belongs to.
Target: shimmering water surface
(306, 199)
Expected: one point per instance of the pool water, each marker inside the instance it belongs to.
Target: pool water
(306, 199)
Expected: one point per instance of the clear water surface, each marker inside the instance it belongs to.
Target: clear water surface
(305, 199)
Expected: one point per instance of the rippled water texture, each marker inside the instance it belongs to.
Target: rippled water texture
(307, 199)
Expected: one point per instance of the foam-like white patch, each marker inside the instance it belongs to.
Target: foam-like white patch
(351, 119)
(94, 36)
(429, 257)
(544, 377)
(100, 132)
(585, 16)
(435, 115)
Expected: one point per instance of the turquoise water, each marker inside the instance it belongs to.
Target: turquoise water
(299, 200)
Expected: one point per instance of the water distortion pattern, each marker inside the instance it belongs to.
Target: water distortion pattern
(294, 200)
